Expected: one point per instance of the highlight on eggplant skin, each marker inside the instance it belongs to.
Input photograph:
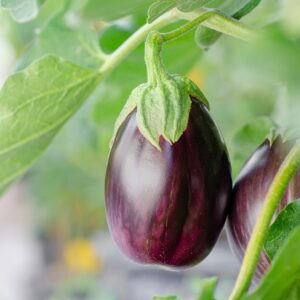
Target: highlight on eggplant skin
(168, 207)
(249, 193)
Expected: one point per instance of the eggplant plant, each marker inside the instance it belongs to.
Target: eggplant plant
(163, 206)
(168, 183)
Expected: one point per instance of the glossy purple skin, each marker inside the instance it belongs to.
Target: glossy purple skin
(249, 193)
(168, 207)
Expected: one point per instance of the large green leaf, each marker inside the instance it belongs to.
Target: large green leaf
(285, 223)
(284, 275)
(34, 104)
(21, 10)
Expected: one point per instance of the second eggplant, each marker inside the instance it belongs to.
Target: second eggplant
(249, 194)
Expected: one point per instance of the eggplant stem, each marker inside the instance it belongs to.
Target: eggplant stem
(215, 20)
(209, 18)
(274, 195)
(114, 59)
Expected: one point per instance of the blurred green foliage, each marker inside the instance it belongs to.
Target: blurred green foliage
(286, 221)
(245, 84)
(282, 279)
(21, 10)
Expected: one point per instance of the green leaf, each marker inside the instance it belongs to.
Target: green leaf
(294, 293)
(208, 289)
(246, 140)
(205, 37)
(34, 104)
(21, 10)
(79, 46)
(284, 273)
(285, 223)
(158, 8)
(229, 7)
(113, 9)
(161, 6)
(49, 10)
(190, 5)
(166, 298)
(246, 9)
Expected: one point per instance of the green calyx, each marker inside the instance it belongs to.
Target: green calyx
(163, 103)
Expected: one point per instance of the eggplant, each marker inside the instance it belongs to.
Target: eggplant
(168, 207)
(249, 193)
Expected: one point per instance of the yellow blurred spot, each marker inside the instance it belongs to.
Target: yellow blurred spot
(80, 257)
(196, 76)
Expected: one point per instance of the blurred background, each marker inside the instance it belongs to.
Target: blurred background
(54, 242)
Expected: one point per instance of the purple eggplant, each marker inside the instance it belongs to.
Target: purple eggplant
(168, 207)
(249, 193)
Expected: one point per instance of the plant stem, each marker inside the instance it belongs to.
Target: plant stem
(137, 38)
(221, 23)
(217, 20)
(210, 18)
(260, 230)
(154, 63)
